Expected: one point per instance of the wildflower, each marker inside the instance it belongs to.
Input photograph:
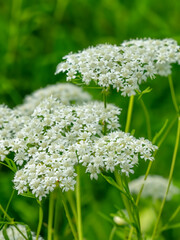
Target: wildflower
(125, 66)
(66, 92)
(48, 145)
(13, 233)
(11, 121)
(155, 186)
(115, 149)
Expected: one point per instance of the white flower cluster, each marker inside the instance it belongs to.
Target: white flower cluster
(155, 54)
(59, 137)
(11, 121)
(115, 149)
(155, 186)
(124, 66)
(48, 143)
(66, 92)
(14, 234)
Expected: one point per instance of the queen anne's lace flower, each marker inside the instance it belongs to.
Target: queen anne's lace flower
(155, 186)
(14, 234)
(59, 137)
(66, 92)
(115, 149)
(11, 121)
(48, 143)
(125, 66)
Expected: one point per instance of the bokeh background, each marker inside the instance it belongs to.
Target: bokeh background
(35, 35)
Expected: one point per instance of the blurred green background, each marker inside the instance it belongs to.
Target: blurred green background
(34, 37)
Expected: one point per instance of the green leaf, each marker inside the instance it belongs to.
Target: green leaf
(160, 131)
(111, 181)
(28, 194)
(147, 90)
(11, 164)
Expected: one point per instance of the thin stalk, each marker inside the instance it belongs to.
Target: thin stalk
(112, 233)
(105, 106)
(40, 220)
(69, 217)
(173, 94)
(124, 198)
(57, 210)
(11, 220)
(72, 204)
(50, 216)
(170, 220)
(150, 163)
(169, 179)
(78, 205)
(127, 204)
(129, 113)
(148, 124)
(10, 199)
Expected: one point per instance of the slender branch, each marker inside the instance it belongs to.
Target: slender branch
(129, 113)
(69, 217)
(11, 220)
(173, 94)
(170, 220)
(40, 220)
(112, 233)
(50, 217)
(148, 124)
(169, 179)
(78, 204)
(72, 204)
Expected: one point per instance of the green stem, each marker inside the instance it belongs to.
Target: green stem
(11, 220)
(173, 94)
(50, 217)
(148, 124)
(69, 217)
(78, 204)
(124, 198)
(170, 220)
(169, 179)
(57, 211)
(150, 163)
(72, 204)
(134, 217)
(10, 199)
(112, 233)
(129, 113)
(40, 220)
(105, 106)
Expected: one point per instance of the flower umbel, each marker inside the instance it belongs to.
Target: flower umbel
(125, 66)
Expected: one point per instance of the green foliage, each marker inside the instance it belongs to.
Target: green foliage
(35, 35)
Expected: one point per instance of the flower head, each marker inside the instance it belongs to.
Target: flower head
(11, 122)
(48, 143)
(115, 149)
(124, 66)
